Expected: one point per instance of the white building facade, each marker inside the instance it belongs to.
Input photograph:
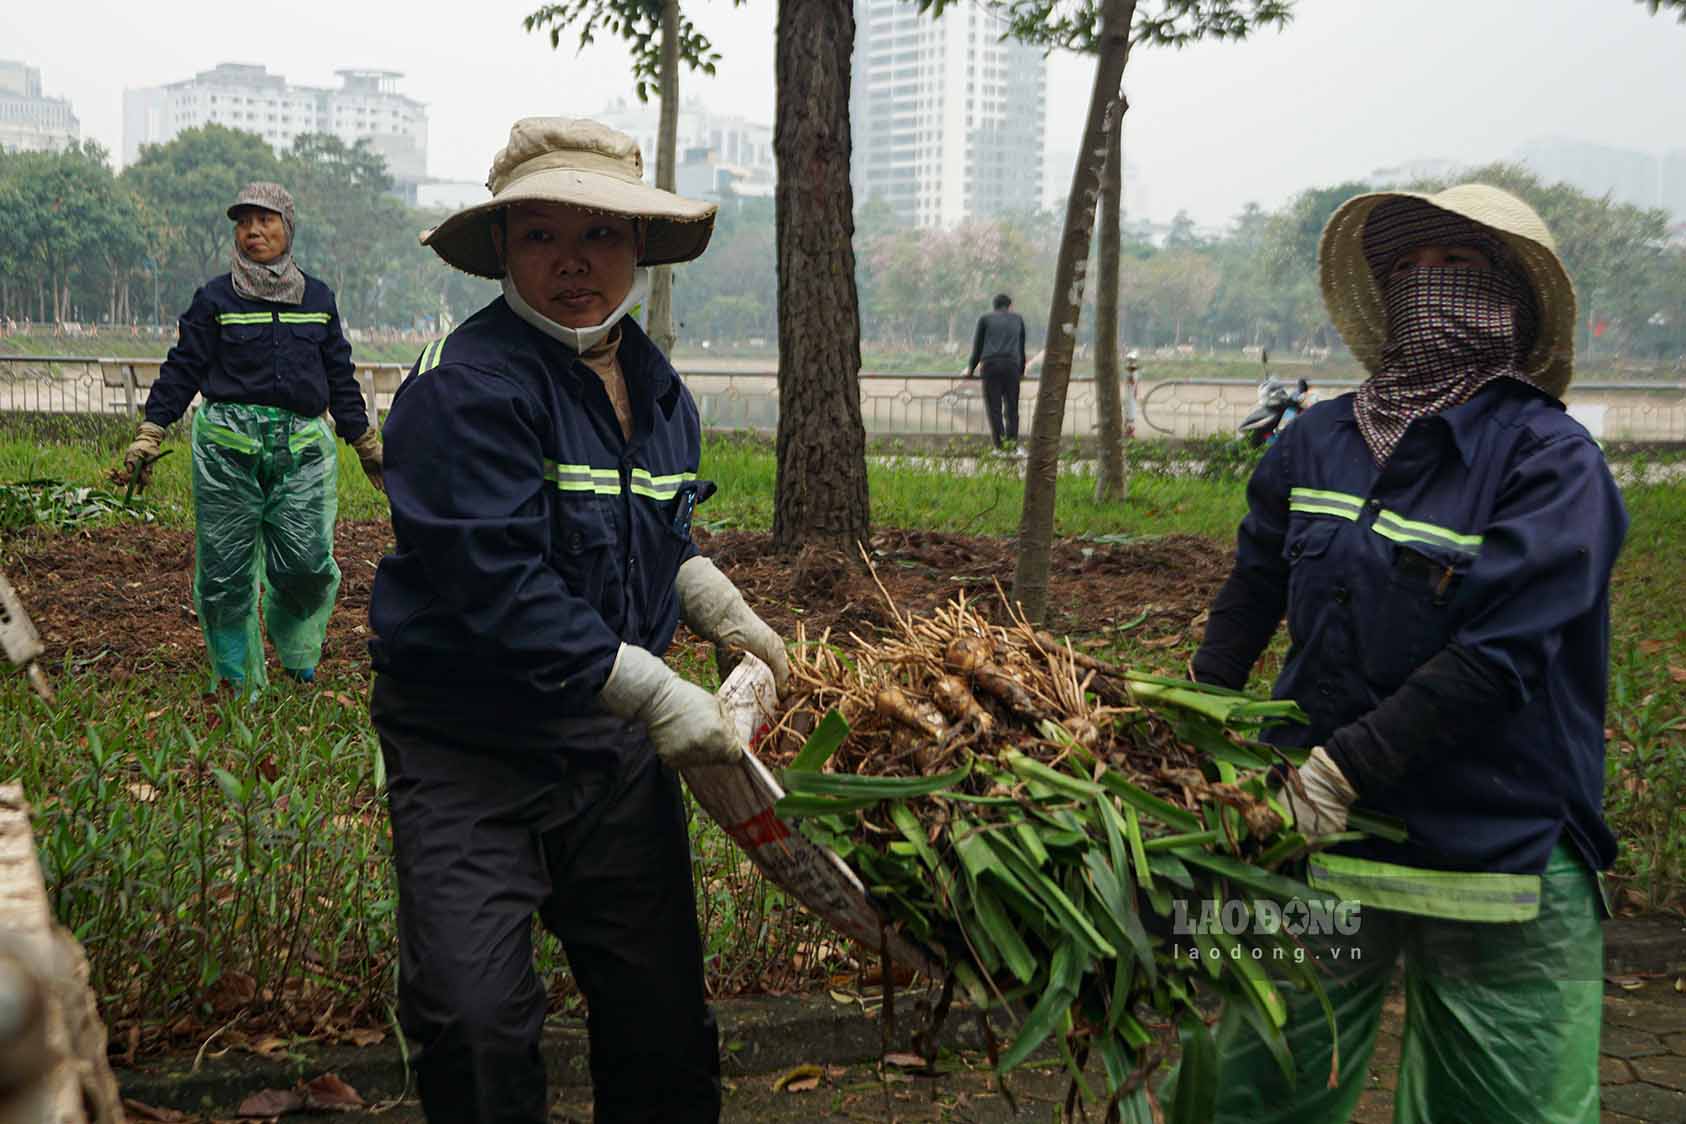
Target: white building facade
(365, 106)
(946, 118)
(29, 120)
(720, 155)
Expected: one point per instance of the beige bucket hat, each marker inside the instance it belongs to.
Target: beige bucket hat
(584, 164)
(1354, 298)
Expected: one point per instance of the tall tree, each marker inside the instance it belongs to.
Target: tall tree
(660, 318)
(661, 38)
(70, 225)
(1111, 40)
(821, 494)
(1108, 29)
(348, 225)
(1110, 482)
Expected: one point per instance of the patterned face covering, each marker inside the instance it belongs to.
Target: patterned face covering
(1450, 330)
(279, 280)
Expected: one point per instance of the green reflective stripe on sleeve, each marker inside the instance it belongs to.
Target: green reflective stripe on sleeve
(303, 317)
(1449, 894)
(246, 317)
(430, 356)
(659, 487)
(1311, 501)
(229, 439)
(1400, 529)
(583, 478)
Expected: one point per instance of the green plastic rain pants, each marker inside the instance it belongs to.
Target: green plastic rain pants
(1501, 1020)
(265, 497)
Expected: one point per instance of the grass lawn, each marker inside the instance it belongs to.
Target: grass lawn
(203, 850)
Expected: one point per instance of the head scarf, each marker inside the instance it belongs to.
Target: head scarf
(1450, 330)
(280, 280)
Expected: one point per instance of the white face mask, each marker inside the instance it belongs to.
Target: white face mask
(579, 340)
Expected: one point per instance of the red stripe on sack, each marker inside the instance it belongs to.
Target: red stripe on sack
(759, 830)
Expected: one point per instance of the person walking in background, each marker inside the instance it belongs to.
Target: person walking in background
(998, 345)
(262, 346)
(1441, 542)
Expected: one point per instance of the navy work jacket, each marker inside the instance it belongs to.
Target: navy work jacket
(262, 353)
(532, 537)
(1493, 526)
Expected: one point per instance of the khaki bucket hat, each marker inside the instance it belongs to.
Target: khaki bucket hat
(269, 196)
(1354, 298)
(584, 164)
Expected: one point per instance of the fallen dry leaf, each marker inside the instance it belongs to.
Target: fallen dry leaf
(798, 1079)
(137, 1110)
(905, 1061)
(232, 989)
(1677, 673)
(270, 1102)
(328, 1093)
(269, 1046)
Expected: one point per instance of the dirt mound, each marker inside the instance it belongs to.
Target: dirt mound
(122, 596)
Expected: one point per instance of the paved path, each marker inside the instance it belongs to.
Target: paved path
(1643, 1070)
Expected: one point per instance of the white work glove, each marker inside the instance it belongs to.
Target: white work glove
(1318, 795)
(687, 725)
(714, 609)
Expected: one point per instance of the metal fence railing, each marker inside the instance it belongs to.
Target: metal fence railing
(916, 404)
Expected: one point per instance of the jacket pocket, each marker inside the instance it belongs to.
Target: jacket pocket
(1415, 617)
(1310, 577)
(583, 549)
(304, 345)
(246, 349)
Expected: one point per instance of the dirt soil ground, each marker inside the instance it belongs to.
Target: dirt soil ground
(123, 595)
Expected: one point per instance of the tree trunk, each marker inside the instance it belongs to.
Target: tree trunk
(820, 495)
(660, 319)
(1109, 468)
(1036, 522)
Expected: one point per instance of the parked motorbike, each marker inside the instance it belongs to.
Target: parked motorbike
(1279, 404)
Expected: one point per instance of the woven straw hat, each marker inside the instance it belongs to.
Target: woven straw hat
(583, 164)
(1354, 299)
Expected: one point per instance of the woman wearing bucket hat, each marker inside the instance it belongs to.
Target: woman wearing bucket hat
(1441, 542)
(542, 467)
(262, 346)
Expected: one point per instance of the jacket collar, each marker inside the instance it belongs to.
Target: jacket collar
(649, 375)
(1462, 424)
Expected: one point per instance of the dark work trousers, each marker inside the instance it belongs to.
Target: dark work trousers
(1001, 397)
(488, 829)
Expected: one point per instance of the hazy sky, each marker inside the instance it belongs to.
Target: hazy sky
(1349, 86)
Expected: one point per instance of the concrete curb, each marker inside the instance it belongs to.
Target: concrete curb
(757, 1035)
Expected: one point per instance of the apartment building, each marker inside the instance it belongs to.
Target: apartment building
(946, 117)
